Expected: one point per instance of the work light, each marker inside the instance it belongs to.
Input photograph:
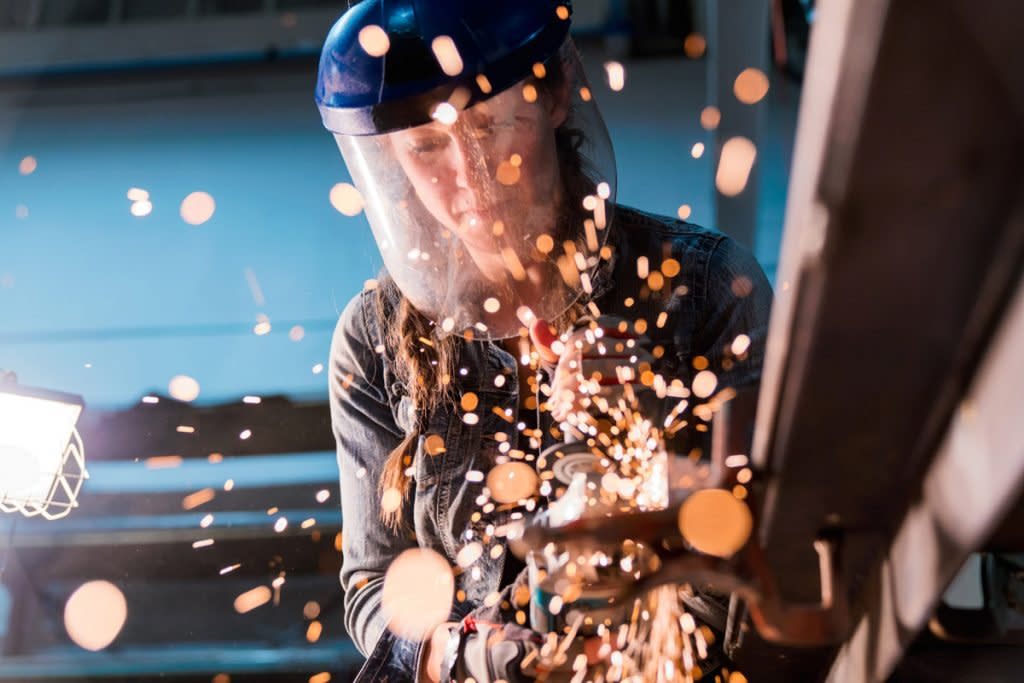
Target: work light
(42, 458)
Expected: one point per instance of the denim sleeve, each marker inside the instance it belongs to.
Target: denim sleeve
(738, 301)
(365, 433)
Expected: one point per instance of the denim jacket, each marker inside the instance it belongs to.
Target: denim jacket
(719, 293)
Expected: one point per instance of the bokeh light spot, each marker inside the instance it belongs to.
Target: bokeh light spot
(197, 208)
(95, 614)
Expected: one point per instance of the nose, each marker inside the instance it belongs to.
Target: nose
(461, 160)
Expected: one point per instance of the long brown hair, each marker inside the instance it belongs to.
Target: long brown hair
(426, 369)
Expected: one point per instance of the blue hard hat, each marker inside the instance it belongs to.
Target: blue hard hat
(498, 41)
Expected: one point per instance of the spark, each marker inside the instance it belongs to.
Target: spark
(197, 208)
(447, 55)
(710, 117)
(445, 113)
(616, 75)
(417, 593)
(694, 46)
(750, 86)
(200, 497)
(740, 345)
(734, 165)
(346, 199)
(251, 599)
(159, 462)
(183, 388)
(262, 326)
(374, 40)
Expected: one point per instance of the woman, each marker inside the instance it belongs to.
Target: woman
(489, 183)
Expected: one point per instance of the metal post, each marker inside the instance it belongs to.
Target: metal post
(737, 37)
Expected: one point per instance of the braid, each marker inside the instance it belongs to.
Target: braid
(425, 370)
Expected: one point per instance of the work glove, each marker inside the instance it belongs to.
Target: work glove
(488, 646)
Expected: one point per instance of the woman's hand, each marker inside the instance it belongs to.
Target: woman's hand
(597, 360)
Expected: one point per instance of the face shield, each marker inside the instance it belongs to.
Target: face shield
(491, 215)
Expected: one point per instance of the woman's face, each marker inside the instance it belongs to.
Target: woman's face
(496, 164)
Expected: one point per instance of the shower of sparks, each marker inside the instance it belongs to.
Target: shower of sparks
(322, 495)
(684, 212)
(252, 400)
(204, 543)
(27, 166)
(697, 151)
(229, 569)
(245, 434)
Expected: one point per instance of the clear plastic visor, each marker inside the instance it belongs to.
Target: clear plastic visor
(491, 216)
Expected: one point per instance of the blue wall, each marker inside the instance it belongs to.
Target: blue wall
(80, 275)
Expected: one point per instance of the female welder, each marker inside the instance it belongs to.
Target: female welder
(488, 180)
